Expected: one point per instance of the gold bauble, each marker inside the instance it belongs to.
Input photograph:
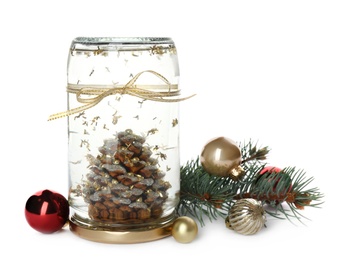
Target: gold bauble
(246, 216)
(222, 157)
(184, 229)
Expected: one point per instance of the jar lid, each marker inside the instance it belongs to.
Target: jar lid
(122, 40)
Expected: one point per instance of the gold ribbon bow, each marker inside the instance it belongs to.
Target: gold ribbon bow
(82, 94)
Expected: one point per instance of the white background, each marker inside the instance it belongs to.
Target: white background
(265, 70)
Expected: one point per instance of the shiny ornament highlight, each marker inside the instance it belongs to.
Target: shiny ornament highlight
(47, 211)
(246, 217)
(222, 157)
(184, 229)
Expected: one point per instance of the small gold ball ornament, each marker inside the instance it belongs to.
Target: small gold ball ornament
(184, 229)
(222, 157)
(246, 216)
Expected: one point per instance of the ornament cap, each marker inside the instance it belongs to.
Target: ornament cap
(237, 173)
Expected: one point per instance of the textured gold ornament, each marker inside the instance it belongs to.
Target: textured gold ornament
(184, 229)
(246, 216)
(222, 157)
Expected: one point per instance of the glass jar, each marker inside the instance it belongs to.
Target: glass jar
(123, 133)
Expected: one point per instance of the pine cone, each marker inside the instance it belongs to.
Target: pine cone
(125, 185)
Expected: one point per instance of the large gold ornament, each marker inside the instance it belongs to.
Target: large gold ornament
(184, 229)
(222, 157)
(246, 216)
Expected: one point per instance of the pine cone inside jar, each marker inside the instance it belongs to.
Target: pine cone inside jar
(124, 184)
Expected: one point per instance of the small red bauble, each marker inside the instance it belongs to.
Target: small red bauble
(270, 169)
(47, 211)
(282, 177)
(275, 170)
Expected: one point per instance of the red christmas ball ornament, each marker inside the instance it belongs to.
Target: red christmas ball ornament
(276, 170)
(47, 211)
(282, 181)
(270, 169)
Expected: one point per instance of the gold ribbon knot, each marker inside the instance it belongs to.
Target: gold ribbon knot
(82, 94)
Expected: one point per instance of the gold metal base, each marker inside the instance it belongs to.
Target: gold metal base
(122, 237)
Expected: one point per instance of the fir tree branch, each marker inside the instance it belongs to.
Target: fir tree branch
(202, 194)
(250, 152)
(205, 196)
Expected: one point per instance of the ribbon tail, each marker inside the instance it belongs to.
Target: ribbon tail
(72, 111)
